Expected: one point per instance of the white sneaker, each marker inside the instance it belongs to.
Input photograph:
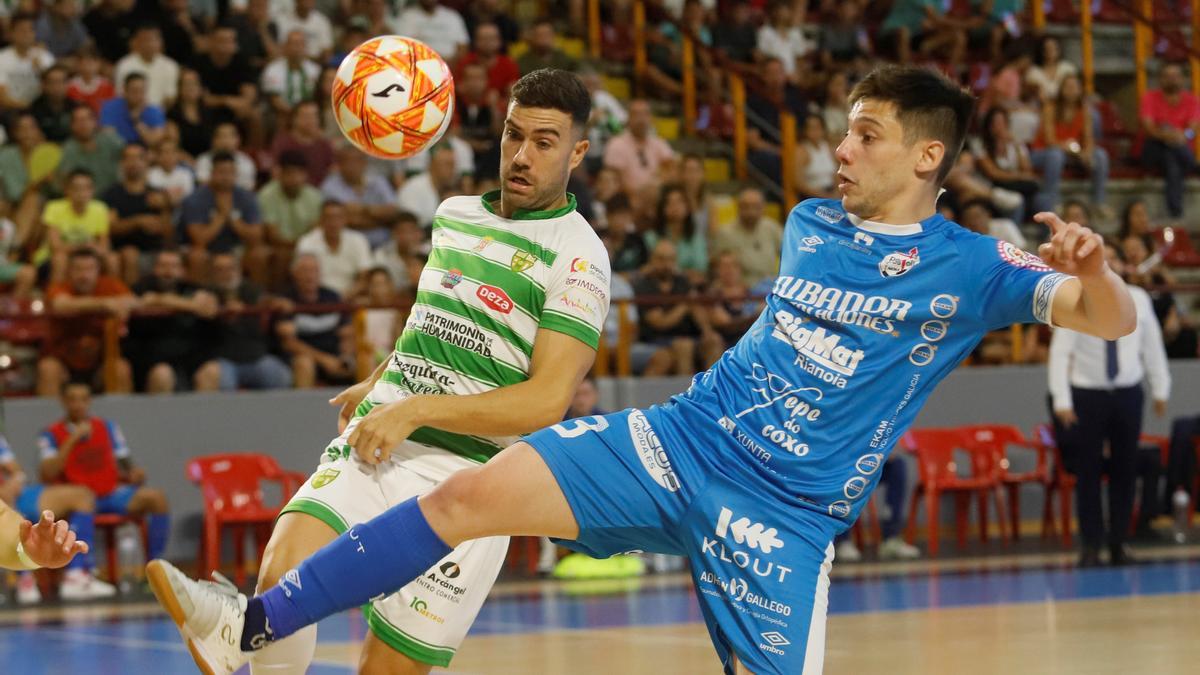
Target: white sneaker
(79, 584)
(210, 616)
(847, 552)
(896, 548)
(27, 589)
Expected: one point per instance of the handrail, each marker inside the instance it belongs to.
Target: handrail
(1089, 57)
(639, 43)
(787, 156)
(688, 68)
(737, 94)
(594, 34)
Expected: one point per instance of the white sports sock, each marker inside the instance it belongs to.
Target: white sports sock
(289, 656)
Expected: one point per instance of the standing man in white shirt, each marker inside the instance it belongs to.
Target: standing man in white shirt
(146, 57)
(21, 64)
(438, 26)
(343, 253)
(1096, 392)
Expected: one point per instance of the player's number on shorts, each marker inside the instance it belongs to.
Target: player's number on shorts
(581, 426)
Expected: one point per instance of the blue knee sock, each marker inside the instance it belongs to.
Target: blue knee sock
(84, 527)
(369, 560)
(158, 529)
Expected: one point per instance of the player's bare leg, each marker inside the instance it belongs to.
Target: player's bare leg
(295, 537)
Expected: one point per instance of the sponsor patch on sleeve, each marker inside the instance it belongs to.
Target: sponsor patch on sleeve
(1018, 258)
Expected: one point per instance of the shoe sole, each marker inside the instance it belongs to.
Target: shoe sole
(160, 585)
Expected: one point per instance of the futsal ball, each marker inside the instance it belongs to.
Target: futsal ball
(393, 96)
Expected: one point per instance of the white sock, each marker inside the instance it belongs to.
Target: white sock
(289, 656)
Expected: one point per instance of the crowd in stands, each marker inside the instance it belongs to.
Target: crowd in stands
(175, 164)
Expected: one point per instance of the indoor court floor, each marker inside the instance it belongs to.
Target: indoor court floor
(1000, 614)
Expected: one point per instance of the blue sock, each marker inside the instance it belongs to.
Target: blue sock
(84, 527)
(372, 559)
(158, 529)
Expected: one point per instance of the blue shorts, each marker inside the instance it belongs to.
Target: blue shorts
(649, 481)
(116, 501)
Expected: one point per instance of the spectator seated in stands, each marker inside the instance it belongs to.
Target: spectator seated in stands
(166, 348)
(17, 279)
(192, 121)
(52, 109)
(383, 322)
(110, 24)
(60, 30)
(228, 79)
(241, 355)
(1049, 68)
(762, 120)
(1007, 164)
(88, 86)
(816, 167)
(965, 183)
(290, 207)
(139, 216)
(480, 117)
(922, 24)
(256, 33)
(626, 246)
(665, 68)
(83, 449)
(95, 150)
(220, 217)
(543, 51)
(403, 255)
(228, 139)
(131, 116)
(27, 166)
(502, 71)
(21, 64)
(304, 136)
(671, 331)
(421, 194)
(79, 308)
(641, 159)
(369, 198)
(607, 120)
(74, 502)
(315, 26)
(315, 340)
(496, 12)
(170, 174)
(291, 78)
(1135, 222)
(977, 216)
(1075, 211)
(438, 26)
(695, 186)
(782, 37)
(77, 220)
(343, 254)
(145, 58)
(673, 222)
(754, 239)
(1068, 127)
(843, 43)
(1170, 118)
(733, 311)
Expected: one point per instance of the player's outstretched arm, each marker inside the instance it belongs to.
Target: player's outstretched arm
(25, 546)
(1096, 301)
(559, 364)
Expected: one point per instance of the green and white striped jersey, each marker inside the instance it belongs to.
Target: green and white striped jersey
(490, 284)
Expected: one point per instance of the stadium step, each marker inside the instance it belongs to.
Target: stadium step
(618, 86)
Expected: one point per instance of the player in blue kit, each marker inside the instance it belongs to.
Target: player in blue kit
(769, 454)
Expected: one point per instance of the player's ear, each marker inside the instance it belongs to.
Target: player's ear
(578, 152)
(932, 153)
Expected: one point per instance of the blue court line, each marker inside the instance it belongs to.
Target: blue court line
(118, 647)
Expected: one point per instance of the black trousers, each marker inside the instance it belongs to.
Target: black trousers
(1116, 417)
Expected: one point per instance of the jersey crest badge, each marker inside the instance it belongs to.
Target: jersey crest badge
(324, 478)
(898, 263)
(451, 278)
(521, 261)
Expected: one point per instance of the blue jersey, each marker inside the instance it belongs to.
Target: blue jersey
(861, 324)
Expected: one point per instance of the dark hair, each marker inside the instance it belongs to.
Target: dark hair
(134, 144)
(222, 156)
(985, 134)
(928, 105)
(978, 201)
(131, 77)
(22, 17)
(1123, 231)
(618, 203)
(85, 252)
(292, 158)
(76, 173)
(143, 27)
(1081, 204)
(331, 202)
(377, 270)
(1039, 56)
(403, 216)
(1060, 107)
(555, 89)
(73, 382)
(660, 224)
(1117, 246)
(56, 68)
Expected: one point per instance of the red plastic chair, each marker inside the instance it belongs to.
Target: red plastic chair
(231, 486)
(938, 474)
(1062, 485)
(107, 525)
(866, 530)
(1178, 249)
(999, 439)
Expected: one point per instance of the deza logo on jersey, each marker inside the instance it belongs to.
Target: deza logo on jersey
(495, 298)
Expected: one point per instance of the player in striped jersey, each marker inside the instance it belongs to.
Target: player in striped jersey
(505, 324)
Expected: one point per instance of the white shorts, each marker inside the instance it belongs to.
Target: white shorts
(427, 619)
